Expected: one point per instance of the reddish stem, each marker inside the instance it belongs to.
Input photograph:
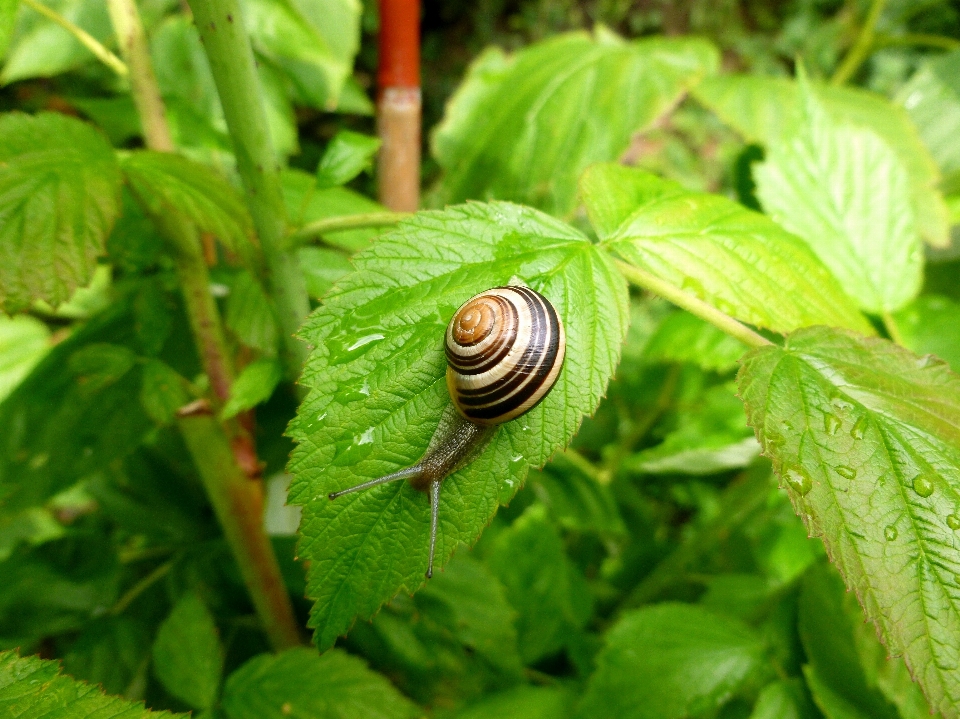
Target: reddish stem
(398, 104)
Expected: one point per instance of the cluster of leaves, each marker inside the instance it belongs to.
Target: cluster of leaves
(654, 568)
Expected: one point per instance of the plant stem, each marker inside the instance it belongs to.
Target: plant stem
(84, 38)
(140, 587)
(238, 503)
(143, 82)
(893, 329)
(917, 38)
(318, 228)
(584, 465)
(861, 47)
(225, 41)
(693, 305)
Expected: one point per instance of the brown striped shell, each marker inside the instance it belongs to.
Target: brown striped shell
(505, 348)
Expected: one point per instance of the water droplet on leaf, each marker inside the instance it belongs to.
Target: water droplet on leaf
(953, 521)
(922, 485)
(349, 349)
(890, 532)
(846, 472)
(859, 428)
(798, 481)
(831, 423)
(352, 450)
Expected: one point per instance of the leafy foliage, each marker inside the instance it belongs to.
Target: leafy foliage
(187, 655)
(524, 127)
(864, 434)
(377, 391)
(59, 193)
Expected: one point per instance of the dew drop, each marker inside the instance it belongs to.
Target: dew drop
(798, 482)
(859, 428)
(953, 521)
(922, 485)
(516, 458)
(846, 472)
(831, 423)
(321, 417)
(351, 450)
(890, 532)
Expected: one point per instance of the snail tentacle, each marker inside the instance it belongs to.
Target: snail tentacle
(434, 514)
(408, 473)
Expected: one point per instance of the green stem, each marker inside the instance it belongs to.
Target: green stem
(238, 503)
(225, 41)
(84, 38)
(917, 38)
(143, 82)
(327, 225)
(140, 587)
(584, 465)
(893, 329)
(861, 48)
(693, 305)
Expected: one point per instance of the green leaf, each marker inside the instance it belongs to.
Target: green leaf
(932, 98)
(737, 260)
(347, 155)
(166, 184)
(767, 110)
(783, 699)
(299, 683)
(549, 593)
(163, 391)
(323, 36)
(59, 197)
(845, 192)
(249, 314)
(670, 661)
(305, 203)
(682, 337)
(99, 365)
(524, 702)
(866, 436)
(41, 48)
(710, 437)
(578, 503)
(110, 651)
(32, 687)
(840, 688)
(253, 386)
(377, 390)
(187, 656)
(931, 325)
(8, 20)
(23, 342)
(524, 127)
(322, 267)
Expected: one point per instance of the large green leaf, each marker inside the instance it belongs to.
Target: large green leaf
(523, 702)
(866, 436)
(59, 197)
(32, 687)
(301, 684)
(377, 390)
(524, 127)
(187, 656)
(931, 325)
(932, 97)
(165, 184)
(8, 19)
(767, 110)
(682, 337)
(844, 190)
(670, 661)
(737, 260)
(23, 342)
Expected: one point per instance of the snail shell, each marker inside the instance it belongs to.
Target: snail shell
(505, 348)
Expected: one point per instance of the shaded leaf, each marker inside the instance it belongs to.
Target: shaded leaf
(8, 20)
(578, 503)
(768, 109)
(670, 661)
(163, 391)
(98, 365)
(300, 683)
(59, 197)
(932, 98)
(166, 184)
(785, 699)
(249, 314)
(377, 391)
(524, 127)
(682, 337)
(931, 325)
(733, 258)
(525, 702)
(23, 342)
(845, 192)
(322, 267)
(253, 385)
(866, 436)
(187, 656)
(30, 686)
(346, 156)
(110, 651)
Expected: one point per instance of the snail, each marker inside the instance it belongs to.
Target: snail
(504, 348)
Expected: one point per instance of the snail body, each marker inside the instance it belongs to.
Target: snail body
(505, 348)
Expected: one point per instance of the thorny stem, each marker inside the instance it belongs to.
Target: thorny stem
(693, 305)
(861, 47)
(223, 454)
(83, 37)
(327, 225)
(227, 46)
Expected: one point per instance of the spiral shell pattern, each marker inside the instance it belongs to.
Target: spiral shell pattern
(505, 348)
